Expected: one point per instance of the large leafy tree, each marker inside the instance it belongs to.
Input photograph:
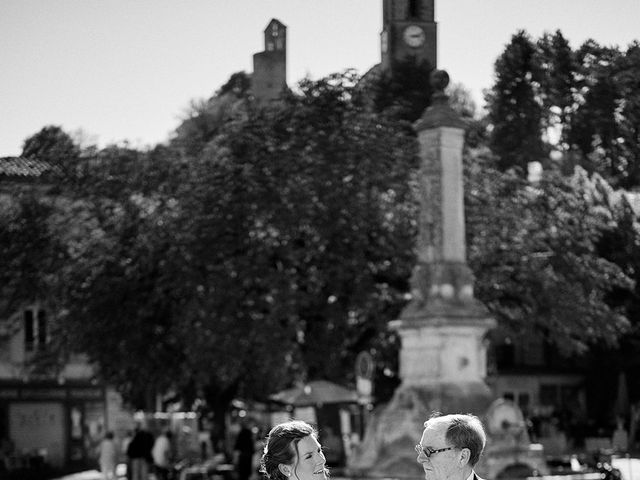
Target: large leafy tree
(558, 68)
(605, 128)
(403, 92)
(300, 218)
(621, 246)
(580, 106)
(205, 118)
(534, 250)
(29, 253)
(121, 275)
(275, 250)
(514, 111)
(54, 146)
(273, 244)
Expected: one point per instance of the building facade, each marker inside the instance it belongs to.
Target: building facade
(409, 30)
(56, 419)
(49, 415)
(269, 78)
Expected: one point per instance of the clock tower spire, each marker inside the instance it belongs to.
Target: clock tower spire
(270, 66)
(408, 31)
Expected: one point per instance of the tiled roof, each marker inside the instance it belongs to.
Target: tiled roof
(23, 167)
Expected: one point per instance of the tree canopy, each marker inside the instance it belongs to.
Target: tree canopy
(275, 250)
(535, 252)
(564, 107)
(268, 245)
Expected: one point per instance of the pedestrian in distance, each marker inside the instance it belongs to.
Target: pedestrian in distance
(243, 451)
(139, 453)
(124, 448)
(108, 457)
(162, 457)
(451, 446)
(292, 452)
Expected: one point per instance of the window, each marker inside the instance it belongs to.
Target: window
(413, 8)
(504, 355)
(29, 337)
(42, 327)
(36, 333)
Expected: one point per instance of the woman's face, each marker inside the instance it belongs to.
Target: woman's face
(309, 463)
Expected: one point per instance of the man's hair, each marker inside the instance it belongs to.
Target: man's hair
(463, 431)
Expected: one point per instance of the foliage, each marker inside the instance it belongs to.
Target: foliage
(204, 119)
(309, 207)
(55, 147)
(278, 250)
(29, 253)
(534, 250)
(267, 245)
(621, 246)
(606, 129)
(239, 83)
(557, 66)
(121, 275)
(565, 107)
(403, 92)
(514, 112)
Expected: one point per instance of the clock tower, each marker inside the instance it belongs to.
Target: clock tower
(408, 30)
(270, 66)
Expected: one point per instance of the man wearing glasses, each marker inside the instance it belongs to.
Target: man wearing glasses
(451, 446)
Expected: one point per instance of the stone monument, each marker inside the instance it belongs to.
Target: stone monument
(509, 452)
(443, 352)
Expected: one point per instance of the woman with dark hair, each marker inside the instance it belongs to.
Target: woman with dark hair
(292, 452)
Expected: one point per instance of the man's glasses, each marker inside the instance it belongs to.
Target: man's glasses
(427, 452)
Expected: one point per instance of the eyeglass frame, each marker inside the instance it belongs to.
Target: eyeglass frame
(427, 453)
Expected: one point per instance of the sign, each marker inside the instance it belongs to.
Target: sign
(365, 370)
(365, 366)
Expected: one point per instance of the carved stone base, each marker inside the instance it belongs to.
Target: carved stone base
(392, 432)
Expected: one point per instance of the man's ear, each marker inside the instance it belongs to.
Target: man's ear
(465, 456)
(285, 469)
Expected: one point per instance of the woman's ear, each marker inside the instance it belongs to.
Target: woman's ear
(285, 469)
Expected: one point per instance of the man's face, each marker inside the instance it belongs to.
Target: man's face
(441, 465)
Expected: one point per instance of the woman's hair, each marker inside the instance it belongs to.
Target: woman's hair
(281, 447)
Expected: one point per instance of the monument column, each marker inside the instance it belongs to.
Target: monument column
(442, 329)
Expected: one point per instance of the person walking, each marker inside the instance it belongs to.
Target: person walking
(139, 453)
(243, 452)
(162, 457)
(124, 447)
(108, 457)
(451, 446)
(292, 452)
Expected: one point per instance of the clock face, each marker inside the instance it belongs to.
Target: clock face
(414, 36)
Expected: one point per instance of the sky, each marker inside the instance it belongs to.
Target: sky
(115, 71)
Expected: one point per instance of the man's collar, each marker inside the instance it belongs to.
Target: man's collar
(471, 476)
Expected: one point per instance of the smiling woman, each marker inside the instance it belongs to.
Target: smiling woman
(292, 450)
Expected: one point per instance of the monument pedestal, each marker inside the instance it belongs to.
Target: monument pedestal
(443, 328)
(442, 366)
(509, 452)
(387, 448)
